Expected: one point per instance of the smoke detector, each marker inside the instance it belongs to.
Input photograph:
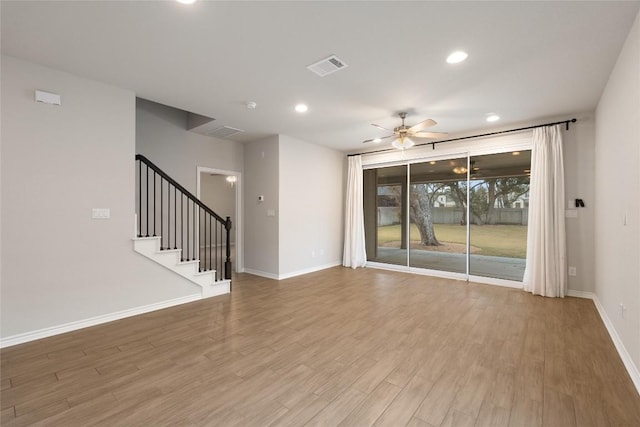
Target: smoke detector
(327, 66)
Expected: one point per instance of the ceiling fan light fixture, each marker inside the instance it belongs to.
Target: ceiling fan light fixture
(403, 143)
(456, 57)
(459, 170)
(404, 133)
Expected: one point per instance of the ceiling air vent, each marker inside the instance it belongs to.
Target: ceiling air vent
(327, 66)
(224, 132)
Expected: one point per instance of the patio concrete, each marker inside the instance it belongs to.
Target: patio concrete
(479, 265)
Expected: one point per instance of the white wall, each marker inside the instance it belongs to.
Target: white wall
(59, 265)
(311, 206)
(617, 184)
(261, 231)
(162, 137)
(579, 181)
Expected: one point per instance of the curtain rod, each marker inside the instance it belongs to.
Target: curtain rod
(433, 143)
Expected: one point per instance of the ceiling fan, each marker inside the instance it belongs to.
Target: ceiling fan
(404, 133)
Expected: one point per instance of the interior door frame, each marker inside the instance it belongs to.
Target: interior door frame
(237, 225)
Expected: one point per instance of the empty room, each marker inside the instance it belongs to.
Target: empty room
(320, 213)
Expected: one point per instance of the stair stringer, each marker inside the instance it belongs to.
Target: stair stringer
(170, 259)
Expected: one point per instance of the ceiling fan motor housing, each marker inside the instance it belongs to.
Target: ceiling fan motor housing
(403, 131)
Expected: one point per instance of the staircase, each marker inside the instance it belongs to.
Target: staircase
(179, 232)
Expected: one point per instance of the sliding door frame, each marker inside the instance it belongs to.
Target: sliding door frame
(508, 144)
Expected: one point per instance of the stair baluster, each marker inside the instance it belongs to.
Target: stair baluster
(201, 234)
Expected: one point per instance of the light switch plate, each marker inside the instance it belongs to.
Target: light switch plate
(100, 213)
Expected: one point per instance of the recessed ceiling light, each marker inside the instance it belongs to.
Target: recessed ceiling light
(432, 162)
(456, 57)
(516, 153)
(493, 118)
(186, 1)
(302, 108)
(377, 140)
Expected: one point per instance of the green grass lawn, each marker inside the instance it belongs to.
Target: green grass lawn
(497, 240)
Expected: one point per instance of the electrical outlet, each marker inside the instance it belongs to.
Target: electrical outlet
(572, 271)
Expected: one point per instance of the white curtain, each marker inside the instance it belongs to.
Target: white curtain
(546, 269)
(355, 254)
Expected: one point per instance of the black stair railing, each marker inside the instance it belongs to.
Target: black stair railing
(166, 209)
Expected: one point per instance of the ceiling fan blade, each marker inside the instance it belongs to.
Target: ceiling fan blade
(380, 138)
(422, 125)
(430, 134)
(380, 127)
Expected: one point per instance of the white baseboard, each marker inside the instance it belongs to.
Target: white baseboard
(80, 324)
(581, 294)
(293, 273)
(261, 273)
(632, 369)
(309, 270)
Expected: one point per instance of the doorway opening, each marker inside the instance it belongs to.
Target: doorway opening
(221, 190)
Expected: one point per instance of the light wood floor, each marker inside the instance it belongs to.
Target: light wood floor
(338, 347)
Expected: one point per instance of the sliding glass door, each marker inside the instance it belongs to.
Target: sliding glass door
(437, 200)
(464, 216)
(499, 206)
(386, 214)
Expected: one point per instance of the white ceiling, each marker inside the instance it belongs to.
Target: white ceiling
(527, 60)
